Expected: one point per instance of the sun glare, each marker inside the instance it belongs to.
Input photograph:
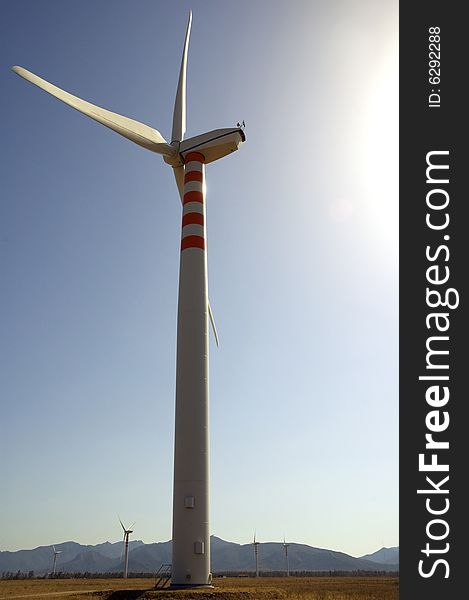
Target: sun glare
(379, 168)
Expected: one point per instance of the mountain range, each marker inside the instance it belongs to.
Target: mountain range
(387, 556)
(226, 557)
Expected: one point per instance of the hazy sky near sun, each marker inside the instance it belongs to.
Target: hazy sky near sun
(303, 258)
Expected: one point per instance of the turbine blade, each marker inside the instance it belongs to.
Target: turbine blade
(212, 321)
(132, 525)
(179, 115)
(179, 176)
(122, 524)
(141, 134)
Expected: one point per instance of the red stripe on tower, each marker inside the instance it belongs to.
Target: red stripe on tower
(193, 223)
(193, 196)
(192, 218)
(193, 241)
(196, 156)
(193, 176)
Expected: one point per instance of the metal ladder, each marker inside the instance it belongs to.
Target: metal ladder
(162, 576)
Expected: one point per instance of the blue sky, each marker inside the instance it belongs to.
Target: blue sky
(303, 257)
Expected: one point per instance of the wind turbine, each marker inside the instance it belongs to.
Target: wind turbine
(56, 553)
(125, 541)
(285, 547)
(191, 524)
(256, 554)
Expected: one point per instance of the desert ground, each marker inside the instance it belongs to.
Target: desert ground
(231, 588)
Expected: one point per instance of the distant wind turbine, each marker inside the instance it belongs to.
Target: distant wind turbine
(187, 157)
(56, 553)
(125, 542)
(285, 546)
(256, 554)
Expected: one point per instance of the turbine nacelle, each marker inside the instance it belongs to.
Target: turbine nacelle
(213, 145)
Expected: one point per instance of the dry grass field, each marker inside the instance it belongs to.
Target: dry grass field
(234, 588)
(67, 588)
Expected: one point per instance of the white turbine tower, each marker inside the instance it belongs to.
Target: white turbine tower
(287, 564)
(191, 527)
(256, 554)
(54, 564)
(125, 542)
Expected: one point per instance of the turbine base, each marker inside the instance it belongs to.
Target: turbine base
(188, 586)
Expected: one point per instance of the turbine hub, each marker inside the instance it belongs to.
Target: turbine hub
(176, 160)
